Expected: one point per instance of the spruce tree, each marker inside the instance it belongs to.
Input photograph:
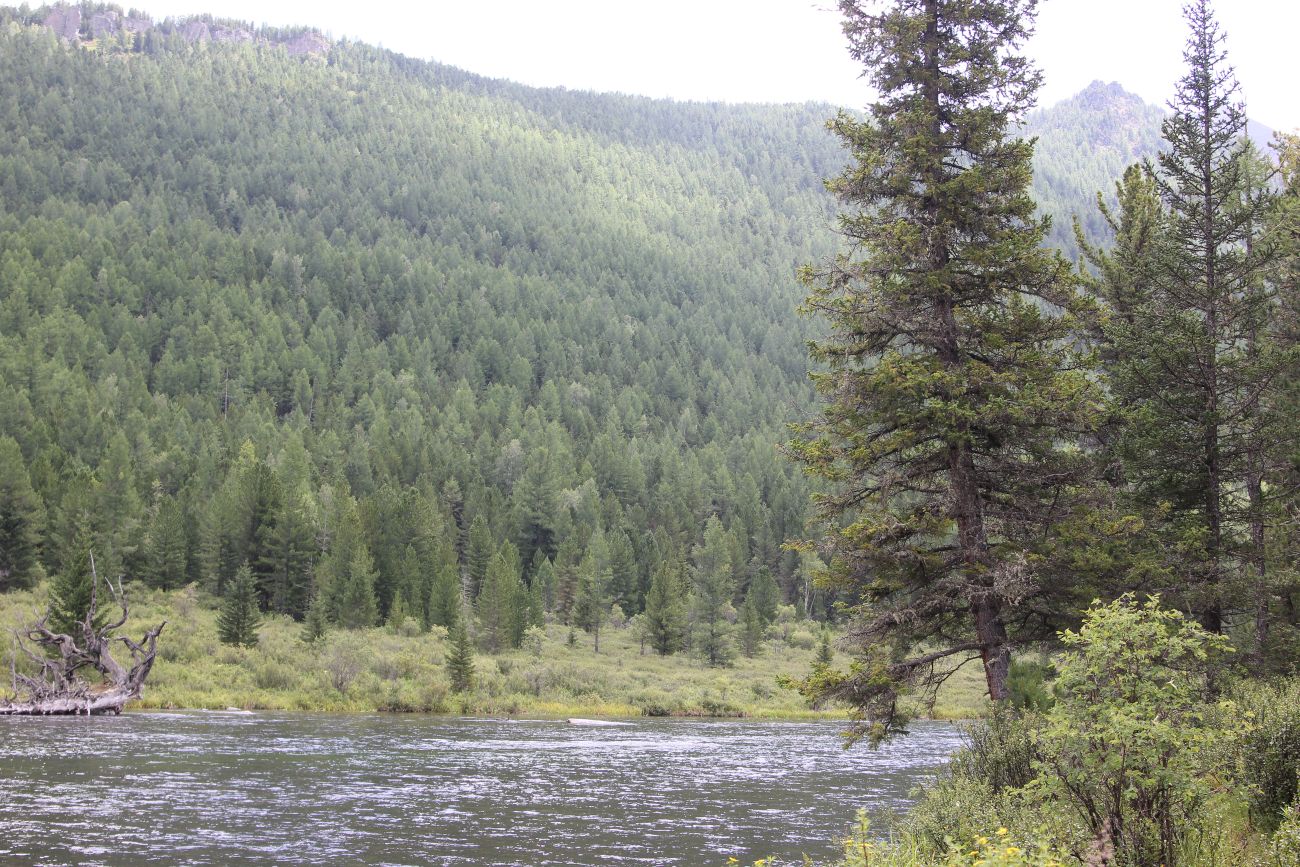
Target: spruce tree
(74, 588)
(711, 611)
(444, 596)
(240, 616)
(460, 661)
(498, 604)
(752, 627)
(316, 623)
(1192, 350)
(767, 596)
(952, 391)
(358, 608)
(478, 555)
(165, 545)
(591, 608)
(825, 655)
(286, 549)
(665, 608)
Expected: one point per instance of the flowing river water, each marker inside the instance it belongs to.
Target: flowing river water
(227, 789)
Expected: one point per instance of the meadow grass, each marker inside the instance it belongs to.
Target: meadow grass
(403, 670)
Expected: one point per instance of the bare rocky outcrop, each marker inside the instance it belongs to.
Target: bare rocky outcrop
(66, 21)
(63, 661)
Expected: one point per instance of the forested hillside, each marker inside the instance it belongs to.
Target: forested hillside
(380, 328)
(357, 320)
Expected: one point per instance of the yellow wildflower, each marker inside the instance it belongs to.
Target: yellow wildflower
(1002, 832)
(1013, 850)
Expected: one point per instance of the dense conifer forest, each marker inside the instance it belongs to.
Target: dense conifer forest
(368, 324)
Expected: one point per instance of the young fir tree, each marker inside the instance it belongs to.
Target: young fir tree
(358, 608)
(478, 555)
(711, 612)
(22, 519)
(240, 616)
(952, 392)
(825, 654)
(665, 608)
(444, 596)
(73, 589)
(460, 661)
(543, 580)
(591, 608)
(767, 596)
(316, 623)
(498, 603)
(165, 544)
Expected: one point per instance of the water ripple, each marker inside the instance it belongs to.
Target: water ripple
(218, 789)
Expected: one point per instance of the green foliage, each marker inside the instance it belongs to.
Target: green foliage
(951, 382)
(241, 358)
(825, 653)
(316, 624)
(1269, 752)
(357, 608)
(711, 613)
(1284, 848)
(501, 603)
(665, 608)
(1029, 685)
(1128, 742)
(591, 608)
(752, 628)
(73, 590)
(239, 618)
(460, 663)
(22, 519)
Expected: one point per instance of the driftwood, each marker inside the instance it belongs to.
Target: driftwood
(59, 686)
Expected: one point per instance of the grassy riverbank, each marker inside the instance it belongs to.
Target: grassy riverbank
(404, 670)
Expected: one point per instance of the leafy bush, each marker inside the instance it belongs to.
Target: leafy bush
(1269, 754)
(1126, 744)
(1284, 849)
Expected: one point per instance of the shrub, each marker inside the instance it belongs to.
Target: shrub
(1000, 750)
(1126, 743)
(655, 702)
(272, 675)
(1284, 849)
(1028, 684)
(1270, 753)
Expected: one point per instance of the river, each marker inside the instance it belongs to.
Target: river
(225, 789)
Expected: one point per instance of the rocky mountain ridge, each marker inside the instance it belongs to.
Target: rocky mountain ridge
(85, 25)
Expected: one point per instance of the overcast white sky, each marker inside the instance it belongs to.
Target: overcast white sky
(774, 50)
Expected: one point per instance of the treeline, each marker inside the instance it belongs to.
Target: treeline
(387, 334)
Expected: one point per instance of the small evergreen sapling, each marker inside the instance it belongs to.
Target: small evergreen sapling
(460, 663)
(239, 617)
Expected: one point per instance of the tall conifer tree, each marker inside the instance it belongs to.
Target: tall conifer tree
(951, 391)
(1193, 358)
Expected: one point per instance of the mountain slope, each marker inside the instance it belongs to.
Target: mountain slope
(388, 276)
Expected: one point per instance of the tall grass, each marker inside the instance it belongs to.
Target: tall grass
(404, 670)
